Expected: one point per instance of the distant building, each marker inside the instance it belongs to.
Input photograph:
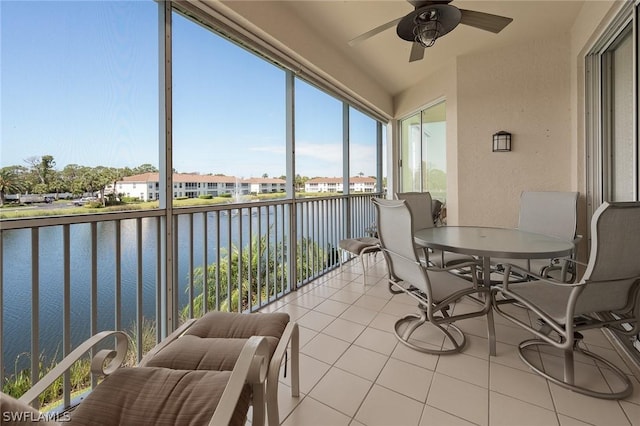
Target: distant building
(335, 184)
(266, 185)
(146, 186)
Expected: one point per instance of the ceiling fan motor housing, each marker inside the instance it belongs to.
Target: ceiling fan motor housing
(448, 17)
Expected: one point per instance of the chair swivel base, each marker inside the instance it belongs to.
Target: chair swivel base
(407, 325)
(599, 361)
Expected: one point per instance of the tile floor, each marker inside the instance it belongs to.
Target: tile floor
(355, 372)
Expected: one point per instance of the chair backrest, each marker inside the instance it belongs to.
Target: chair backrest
(396, 238)
(614, 259)
(419, 203)
(551, 213)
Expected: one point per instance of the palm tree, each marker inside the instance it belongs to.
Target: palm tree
(10, 183)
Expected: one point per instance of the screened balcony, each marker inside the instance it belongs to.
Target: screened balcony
(206, 87)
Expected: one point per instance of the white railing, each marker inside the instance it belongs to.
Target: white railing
(66, 278)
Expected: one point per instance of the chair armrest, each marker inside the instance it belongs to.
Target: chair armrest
(290, 335)
(113, 359)
(251, 367)
(507, 272)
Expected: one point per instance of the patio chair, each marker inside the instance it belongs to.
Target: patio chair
(435, 289)
(607, 296)
(362, 248)
(151, 395)
(551, 213)
(215, 341)
(425, 213)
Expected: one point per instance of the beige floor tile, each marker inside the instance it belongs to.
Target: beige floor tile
(346, 296)
(521, 385)
(311, 371)
(362, 362)
(294, 311)
(315, 320)
(433, 417)
(322, 291)
(306, 335)
(356, 286)
(314, 413)
(632, 411)
(399, 309)
(465, 367)
(341, 390)
(459, 398)
(325, 348)
(377, 340)
(360, 315)
(570, 421)
(383, 407)
(384, 322)
(336, 283)
(476, 346)
(287, 403)
(591, 410)
(371, 302)
(509, 411)
(308, 301)
(421, 359)
(332, 307)
(406, 379)
(509, 356)
(380, 290)
(344, 330)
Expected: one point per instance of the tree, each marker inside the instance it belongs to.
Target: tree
(43, 170)
(9, 182)
(145, 168)
(265, 175)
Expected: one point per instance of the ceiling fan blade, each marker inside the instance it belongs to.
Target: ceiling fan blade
(373, 32)
(484, 21)
(417, 52)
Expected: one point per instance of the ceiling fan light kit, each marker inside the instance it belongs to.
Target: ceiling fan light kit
(431, 20)
(427, 32)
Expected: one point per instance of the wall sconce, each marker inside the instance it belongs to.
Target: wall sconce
(502, 141)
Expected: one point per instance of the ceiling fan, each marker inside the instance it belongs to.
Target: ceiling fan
(431, 20)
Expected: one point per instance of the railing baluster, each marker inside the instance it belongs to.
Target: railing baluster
(205, 244)
(158, 280)
(139, 289)
(229, 255)
(259, 255)
(94, 290)
(240, 263)
(35, 307)
(66, 309)
(191, 264)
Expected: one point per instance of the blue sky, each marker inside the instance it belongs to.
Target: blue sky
(80, 82)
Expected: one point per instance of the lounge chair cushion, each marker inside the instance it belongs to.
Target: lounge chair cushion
(158, 396)
(214, 342)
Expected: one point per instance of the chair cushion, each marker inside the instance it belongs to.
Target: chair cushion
(357, 245)
(215, 341)
(158, 396)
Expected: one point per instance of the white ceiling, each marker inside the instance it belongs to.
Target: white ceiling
(385, 57)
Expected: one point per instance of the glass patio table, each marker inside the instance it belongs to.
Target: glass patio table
(486, 242)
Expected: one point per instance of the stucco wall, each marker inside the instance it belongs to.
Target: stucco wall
(525, 90)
